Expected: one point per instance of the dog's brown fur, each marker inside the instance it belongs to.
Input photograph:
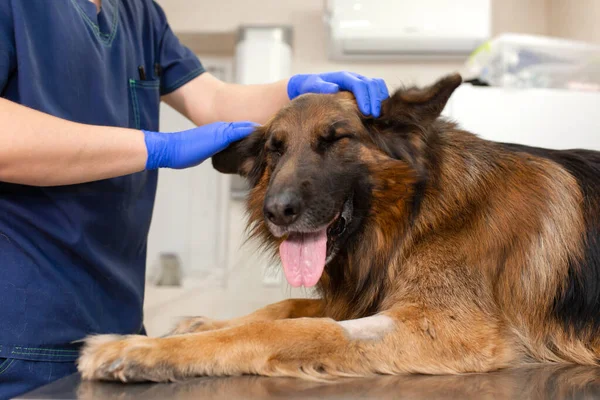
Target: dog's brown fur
(471, 256)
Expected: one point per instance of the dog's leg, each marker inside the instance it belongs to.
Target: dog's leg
(388, 343)
(291, 308)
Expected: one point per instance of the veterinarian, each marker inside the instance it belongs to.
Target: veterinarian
(81, 82)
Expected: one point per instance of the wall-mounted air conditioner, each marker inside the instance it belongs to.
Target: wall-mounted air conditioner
(404, 29)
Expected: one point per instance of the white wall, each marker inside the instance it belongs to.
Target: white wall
(575, 19)
(572, 19)
(305, 16)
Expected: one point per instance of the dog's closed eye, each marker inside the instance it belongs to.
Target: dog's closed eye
(275, 147)
(326, 143)
(333, 136)
(336, 138)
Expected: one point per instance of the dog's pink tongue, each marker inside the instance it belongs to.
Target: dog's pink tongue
(303, 258)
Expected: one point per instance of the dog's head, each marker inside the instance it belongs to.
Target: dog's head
(321, 172)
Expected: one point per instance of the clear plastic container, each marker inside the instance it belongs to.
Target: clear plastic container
(527, 61)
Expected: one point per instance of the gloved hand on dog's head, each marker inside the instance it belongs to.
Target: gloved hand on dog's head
(369, 93)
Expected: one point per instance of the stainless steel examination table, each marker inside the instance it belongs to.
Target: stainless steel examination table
(547, 382)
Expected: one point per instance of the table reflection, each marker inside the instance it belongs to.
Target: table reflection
(546, 382)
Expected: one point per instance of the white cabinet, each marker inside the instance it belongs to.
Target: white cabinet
(192, 205)
(555, 119)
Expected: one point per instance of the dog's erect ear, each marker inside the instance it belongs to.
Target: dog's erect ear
(244, 157)
(421, 105)
(403, 131)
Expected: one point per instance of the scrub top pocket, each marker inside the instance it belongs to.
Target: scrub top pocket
(144, 98)
(5, 364)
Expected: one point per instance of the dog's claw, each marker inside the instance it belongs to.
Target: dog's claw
(115, 365)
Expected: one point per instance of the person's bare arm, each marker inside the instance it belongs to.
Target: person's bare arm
(42, 150)
(206, 99)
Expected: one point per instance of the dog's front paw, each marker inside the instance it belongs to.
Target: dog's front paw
(127, 359)
(196, 324)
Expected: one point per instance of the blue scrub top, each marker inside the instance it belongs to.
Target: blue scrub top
(72, 258)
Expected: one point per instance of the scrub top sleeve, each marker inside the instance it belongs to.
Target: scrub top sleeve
(8, 61)
(179, 65)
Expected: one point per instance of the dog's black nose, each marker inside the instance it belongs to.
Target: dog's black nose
(283, 208)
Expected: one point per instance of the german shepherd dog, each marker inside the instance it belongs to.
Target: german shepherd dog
(433, 251)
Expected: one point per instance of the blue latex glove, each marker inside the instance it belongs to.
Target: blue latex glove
(369, 93)
(189, 148)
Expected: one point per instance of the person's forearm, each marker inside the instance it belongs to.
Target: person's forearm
(251, 102)
(228, 102)
(41, 150)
